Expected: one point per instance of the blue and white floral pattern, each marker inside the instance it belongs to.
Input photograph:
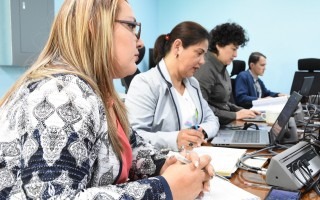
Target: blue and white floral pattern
(54, 144)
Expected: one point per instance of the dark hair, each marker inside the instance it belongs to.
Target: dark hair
(188, 32)
(225, 34)
(254, 57)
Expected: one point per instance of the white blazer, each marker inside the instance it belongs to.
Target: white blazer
(154, 110)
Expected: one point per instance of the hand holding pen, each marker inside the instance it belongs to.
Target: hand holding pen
(192, 137)
(197, 164)
(197, 127)
(184, 160)
(189, 138)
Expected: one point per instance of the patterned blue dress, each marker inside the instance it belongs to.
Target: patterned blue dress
(54, 144)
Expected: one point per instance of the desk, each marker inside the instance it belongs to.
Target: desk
(242, 175)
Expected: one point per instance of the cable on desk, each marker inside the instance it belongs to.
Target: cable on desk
(277, 146)
(258, 170)
(314, 98)
(310, 183)
(257, 185)
(306, 178)
(311, 117)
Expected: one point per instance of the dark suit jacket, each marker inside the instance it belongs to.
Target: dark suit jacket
(245, 91)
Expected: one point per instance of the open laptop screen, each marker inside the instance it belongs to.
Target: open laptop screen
(279, 127)
(306, 86)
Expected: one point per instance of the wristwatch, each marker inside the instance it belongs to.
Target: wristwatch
(204, 134)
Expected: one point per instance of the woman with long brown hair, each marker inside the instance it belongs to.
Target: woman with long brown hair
(64, 130)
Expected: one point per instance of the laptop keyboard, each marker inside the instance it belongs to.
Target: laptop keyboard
(245, 136)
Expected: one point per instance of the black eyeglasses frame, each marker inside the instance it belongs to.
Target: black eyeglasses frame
(132, 23)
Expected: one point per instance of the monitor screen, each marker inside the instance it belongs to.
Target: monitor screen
(279, 127)
(306, 85)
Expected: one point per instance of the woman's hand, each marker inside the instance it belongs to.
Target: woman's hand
(188, 181)
(245, 113)
(169, 161)
(190, 138)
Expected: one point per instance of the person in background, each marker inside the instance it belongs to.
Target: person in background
(213, 76)
(165, 104)
(249, 86)
(64, 131)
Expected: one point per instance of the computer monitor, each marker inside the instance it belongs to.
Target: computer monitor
(280, 126)
(306, 86)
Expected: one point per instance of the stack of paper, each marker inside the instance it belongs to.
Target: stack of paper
(275, 103)
(256, 161)
(224, 190)
(223, 159)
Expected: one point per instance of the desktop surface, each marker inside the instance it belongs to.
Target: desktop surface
(243, 178)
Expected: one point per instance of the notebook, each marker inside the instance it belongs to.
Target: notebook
(224, 160)
(261, 138)
(224, 190)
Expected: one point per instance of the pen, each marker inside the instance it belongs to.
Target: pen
(222, 177)
(184, 160)
(179, 157)
(196, 126)
(257, 185)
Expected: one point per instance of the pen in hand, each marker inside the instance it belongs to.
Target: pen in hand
(179, 157)
(184, 160)
(196, 127)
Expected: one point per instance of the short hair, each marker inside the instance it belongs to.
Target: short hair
(225, 34)
(254, 57)
(188, 32)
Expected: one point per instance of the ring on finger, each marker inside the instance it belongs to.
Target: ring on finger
(181, 148)
(190, 144)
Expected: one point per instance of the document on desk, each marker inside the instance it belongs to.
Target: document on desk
(223, 159)
(275, 103)
(224, 190)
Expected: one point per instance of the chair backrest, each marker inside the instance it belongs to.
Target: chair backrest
(237, 67)
(151, 59)
(307, 67)
(309, 64)
(127, 80)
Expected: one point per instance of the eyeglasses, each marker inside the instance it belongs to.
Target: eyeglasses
(132, 25)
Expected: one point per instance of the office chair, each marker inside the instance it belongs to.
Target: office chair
(237, 67)
(127, 80)
(151, 59)
(307, 67)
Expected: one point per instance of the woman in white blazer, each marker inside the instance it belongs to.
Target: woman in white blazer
(165, 104)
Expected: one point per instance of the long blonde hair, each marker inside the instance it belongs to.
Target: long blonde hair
(81, 37)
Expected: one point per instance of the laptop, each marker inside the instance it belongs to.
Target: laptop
(306, 86)
(304, 91)
(259, 138)
(300, 115)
